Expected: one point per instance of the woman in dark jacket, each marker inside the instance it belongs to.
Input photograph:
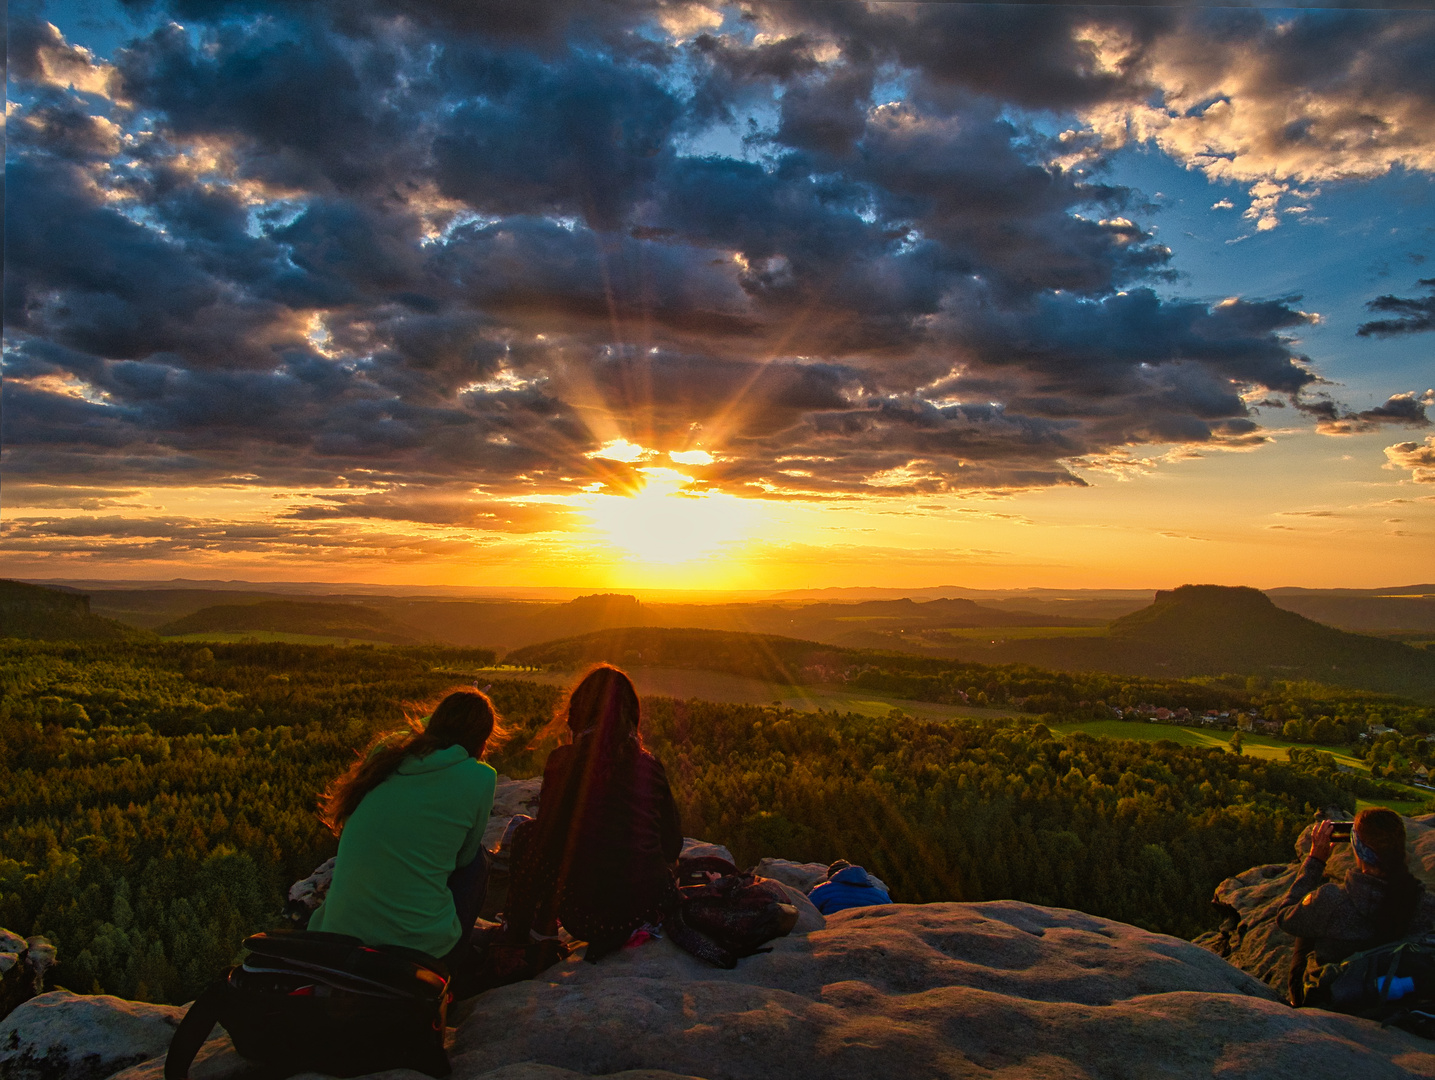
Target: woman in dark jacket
(599, 856)
(1378, 902)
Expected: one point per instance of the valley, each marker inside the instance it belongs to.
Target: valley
(176, 772)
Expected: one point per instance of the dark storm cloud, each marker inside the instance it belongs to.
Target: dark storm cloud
(585, 137)
(1415, 314)
(955, 48)
(309, 109)
(446, 247)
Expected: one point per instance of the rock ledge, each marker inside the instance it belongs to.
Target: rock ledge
(1000, 989)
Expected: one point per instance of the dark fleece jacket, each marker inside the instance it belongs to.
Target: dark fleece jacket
(1338, 920)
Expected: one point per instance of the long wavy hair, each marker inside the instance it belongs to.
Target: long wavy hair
(603, 714)
(602, 719)
(465, 717)
(1383, 832)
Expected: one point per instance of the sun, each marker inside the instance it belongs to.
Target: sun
(664, 524)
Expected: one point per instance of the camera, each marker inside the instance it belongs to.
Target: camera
(1340, 831)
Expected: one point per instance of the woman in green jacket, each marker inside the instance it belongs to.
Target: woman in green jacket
(410, 816)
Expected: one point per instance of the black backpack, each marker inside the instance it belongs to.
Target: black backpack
(725, 915)
(311, 1001)
(1373, 984)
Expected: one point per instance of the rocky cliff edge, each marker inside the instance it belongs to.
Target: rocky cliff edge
(999, 990)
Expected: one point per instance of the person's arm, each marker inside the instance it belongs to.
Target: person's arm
(555, 769)
(484, 791)
(670, 826)
(822, 896)
(1299, 913)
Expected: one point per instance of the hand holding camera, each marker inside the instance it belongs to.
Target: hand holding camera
(1326, 834)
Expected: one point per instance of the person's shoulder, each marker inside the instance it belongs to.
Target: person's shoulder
(559, 758)
(1326, 897)
(479, 772)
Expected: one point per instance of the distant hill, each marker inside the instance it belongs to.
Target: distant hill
(1214, 629)
(756, 656)
(299, 617)
(152, 608)
(1364, 613)
(41, 614)
(509, 624)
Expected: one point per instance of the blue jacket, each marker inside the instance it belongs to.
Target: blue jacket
(849, 889)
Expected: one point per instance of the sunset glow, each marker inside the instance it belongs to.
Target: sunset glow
(654, 306)
(664, 525)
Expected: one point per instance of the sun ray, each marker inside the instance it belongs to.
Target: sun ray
(663, 523)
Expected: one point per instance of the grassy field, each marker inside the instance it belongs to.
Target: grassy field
(1408, 807)
(684, 683)
(1260, 746)
(240, 637)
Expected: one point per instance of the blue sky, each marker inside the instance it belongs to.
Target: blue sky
(1365, 238)
(428, 288)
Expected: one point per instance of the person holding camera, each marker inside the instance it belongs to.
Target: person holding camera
(1379, 901)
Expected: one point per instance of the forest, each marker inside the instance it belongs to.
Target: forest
(156, 799)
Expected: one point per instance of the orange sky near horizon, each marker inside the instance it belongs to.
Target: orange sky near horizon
(1306, 510)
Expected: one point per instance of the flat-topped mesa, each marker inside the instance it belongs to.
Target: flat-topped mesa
(1230, 597)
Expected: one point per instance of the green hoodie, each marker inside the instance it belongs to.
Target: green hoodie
(400, 845)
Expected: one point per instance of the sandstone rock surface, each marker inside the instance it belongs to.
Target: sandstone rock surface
(511, 797)
(1252, 941)
(65, 1036)
(996, 990)
(701, 849)
(23, 964)
(806, 875)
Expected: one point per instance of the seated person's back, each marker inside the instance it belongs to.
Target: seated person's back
(847, 886)
(624, 824)
(599, 855)
(409, 816)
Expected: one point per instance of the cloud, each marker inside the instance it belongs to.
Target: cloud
(67, 497)
(1404, 410)
(38, 53)
(507, 517)
(1416, 314)
(1279, 101)
(1419, 458)
(443, 253)
(90, 539)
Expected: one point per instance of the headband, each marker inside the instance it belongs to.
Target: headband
(1363, 852)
